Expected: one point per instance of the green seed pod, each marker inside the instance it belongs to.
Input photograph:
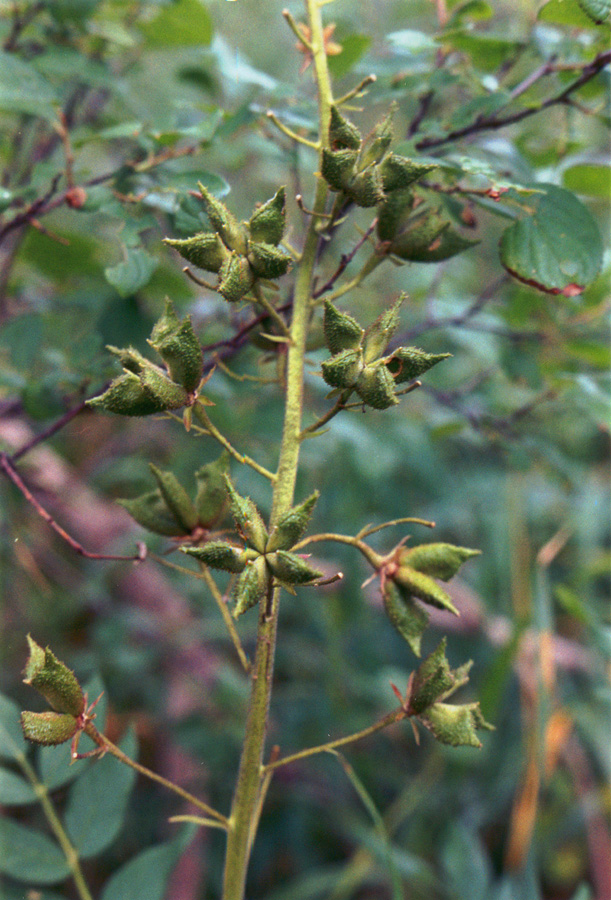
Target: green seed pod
(408, 618)
(223, 222)
(237, 278)
(376, 387)
(268, 261)
(151, 512)
(342, 332)
(267, 223)
(176, 498)
(424, 588)
(343, 370)
(250, 586)
(204, 250)
(130, 359)
(48, 728)
(455, 725)
(338, 167)
(428, 237)
(410, 362)
(365, 188)
(399, 172)
(437, 560)
(380, 332)
(54, 680)
(380, 140)
(176, 343)
(393, 212)
(292, 525)
(343, 135)
(219, 555)
(127, 396)
(211, 496)
(434, 679)
(165, 392)
(291, 569)
(247, 518)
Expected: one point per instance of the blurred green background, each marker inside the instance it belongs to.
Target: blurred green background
(506, 446)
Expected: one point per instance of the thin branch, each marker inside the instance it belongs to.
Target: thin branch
(106, 746)
(395, 716)
(299, 138)
(211, 429)
(492, 122)
(367, 531)
(50, 431)
(345, 260)
(424, 104)
(357, 91)
(340, 404)
(11, 473)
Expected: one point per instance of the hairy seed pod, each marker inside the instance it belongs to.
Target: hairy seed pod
(343, 370)
(376, 387)
(342, 332)
(204, 250)
(55, 681)
(407, 363)
(268, 221)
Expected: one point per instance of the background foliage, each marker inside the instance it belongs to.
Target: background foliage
(110, 114)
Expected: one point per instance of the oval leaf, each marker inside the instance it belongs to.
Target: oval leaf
(14, 791)
(97, 804)
(557, 248)
(145, 877)
(129, 276)
(29, 855)
(12, 742)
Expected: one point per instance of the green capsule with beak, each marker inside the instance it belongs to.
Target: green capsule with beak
(127, 396)
(376, 387)
(268, 261)
(406, 615)
(343, 135)
(176, 499)
(424, 588)
(291, 568)
(343, 370)
(399, 172)
(338, 167)
(292, 525)
(223, 222)
(381, 331)
(250, 586)
(176, 343)
(247, 518)
(407, 363)
(55, 681)
(236, 278)
(267, 223)
(48, 728)
(341, 331)
(219, 555)
(204, 250)
(437, 560)
(211, 497)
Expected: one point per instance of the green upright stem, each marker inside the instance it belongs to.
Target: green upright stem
(245, 806)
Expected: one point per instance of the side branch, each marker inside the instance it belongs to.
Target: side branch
(12, 475)
(395, 716)
(487, 123)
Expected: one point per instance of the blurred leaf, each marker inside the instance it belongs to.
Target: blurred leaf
(24, 90)
(354, 46)
(97, 803)
(181, 23)
(557, 248)
(466, 865)
(598, 10)
(129, 276)
(22, 336)
(29, 855)
(564, 12)
(487, 51)
(589, 178)
(146, 876)
(12, 742)
(472, 9)
(14, 790)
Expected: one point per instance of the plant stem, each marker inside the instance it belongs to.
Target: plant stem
(245, 806)
(395, 716)
(57, 828)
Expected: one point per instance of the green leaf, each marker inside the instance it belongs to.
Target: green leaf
(557, 248)
(589, 178)
(14, 790)
(97, 804)
(466, 865)
(564, 12)
(129, 276)
(598, 10)
(24, 90)
(487, 51)
(29, 855)
(12, 742)
(146, 876)
(185, 23)
(354, 46)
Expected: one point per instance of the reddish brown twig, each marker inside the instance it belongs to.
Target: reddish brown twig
(345, 260)
(11, 473)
